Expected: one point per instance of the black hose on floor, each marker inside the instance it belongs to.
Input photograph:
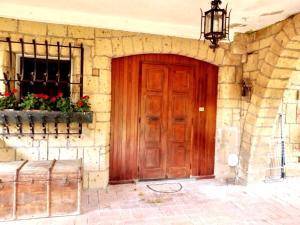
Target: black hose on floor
(173, 191)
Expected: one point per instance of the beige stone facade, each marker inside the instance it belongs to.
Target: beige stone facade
(269, 58)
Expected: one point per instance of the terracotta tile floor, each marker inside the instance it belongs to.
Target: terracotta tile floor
(199, 202)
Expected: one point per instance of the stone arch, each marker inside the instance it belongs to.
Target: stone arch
(280, 62)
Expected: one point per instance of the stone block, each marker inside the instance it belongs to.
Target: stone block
(33, 28)
(224, 117)
(166, 44)
(289, 29)
(252, 63)
(291, 113)
(68, 153)
(138, 45)
(296, 19)
(128, 46)
(290, 53)
(281, 73)
(193, 48)
(100, 102)
(282, 38)
(104, 161)
(152, 44)
(293, 45)
(91, 85)
(8, 25)
(176, 45)
(103, 47)
(105, 82)
(226, 74)
(220, 52)
(262, 53)
(252, 47)
(103, 33)
(57, 30)
(7, 154)
(294, 130)
(229, 91)
(288, 63)
(103, 117)
(231, 59)
(203, 50)
(271, 58)
(81, 32)
(266, 42)
(102, 62)
(238, 48)
(117, 47)
(277, 83)
(91, 159)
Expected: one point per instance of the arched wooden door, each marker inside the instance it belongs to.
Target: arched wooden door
(163, 117)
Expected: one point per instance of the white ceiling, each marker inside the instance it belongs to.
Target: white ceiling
(168, 17)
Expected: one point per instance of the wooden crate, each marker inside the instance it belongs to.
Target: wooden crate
(40, 189)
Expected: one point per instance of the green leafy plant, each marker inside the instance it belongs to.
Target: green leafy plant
(83, 104)
(29, 102)
(64, 104)
(8, 101)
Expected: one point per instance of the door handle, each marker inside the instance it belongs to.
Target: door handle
(153, 118)
(179, 119)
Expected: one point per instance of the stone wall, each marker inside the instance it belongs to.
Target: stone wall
(272, 66)
(101, 45)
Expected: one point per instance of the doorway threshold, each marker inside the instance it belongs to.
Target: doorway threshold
(168, 180)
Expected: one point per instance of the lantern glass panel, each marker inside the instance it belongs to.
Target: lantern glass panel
(218, 21)
(207, 27)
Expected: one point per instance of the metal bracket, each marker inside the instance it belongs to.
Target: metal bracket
(5, 125)
(44, 126)
(55, 127)
(19, 126)
(31, 125)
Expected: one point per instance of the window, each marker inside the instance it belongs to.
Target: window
(37, 85)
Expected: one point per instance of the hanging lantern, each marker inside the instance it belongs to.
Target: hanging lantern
(215, 24)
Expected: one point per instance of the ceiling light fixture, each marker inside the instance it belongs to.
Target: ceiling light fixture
(215, 24)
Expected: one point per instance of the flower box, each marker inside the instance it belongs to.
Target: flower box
(40, 116)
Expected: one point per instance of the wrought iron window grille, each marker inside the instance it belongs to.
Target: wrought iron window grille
(11, 79)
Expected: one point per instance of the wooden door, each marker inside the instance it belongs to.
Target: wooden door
(182, 139)
(165, 122)
(153, 121)
(180, 106)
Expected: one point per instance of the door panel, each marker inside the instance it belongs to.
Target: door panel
(153, 114)
(179, 121)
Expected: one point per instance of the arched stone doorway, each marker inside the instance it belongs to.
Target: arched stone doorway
(279, 45)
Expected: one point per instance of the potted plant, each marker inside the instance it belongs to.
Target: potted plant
(8, 101)
(83, 104)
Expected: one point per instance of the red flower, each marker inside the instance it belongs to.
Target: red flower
(7, 94)
(43, 96)
(14, 90)
(53, 99)
(86, 97)
(80, 103)
(36, 95)
(59, 95)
